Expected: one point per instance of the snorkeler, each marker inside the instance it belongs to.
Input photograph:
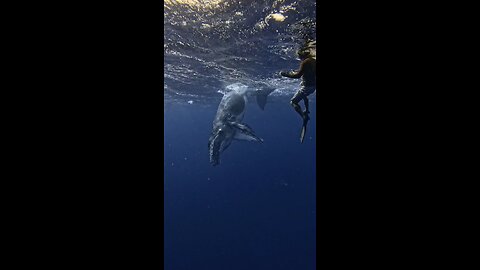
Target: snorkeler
(307, 72)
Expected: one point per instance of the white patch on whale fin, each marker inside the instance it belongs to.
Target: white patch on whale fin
(244, 132)
(239, 135)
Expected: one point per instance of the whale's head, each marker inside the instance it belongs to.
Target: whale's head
(220, 139)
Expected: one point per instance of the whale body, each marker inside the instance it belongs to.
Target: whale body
(227, 124)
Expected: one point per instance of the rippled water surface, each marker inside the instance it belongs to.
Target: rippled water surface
(211, 44)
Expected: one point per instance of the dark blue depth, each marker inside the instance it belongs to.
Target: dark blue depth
(256, 210)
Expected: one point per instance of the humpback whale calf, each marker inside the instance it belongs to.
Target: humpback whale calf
(228, 125)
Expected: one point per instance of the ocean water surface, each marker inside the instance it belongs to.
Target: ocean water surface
(257, 209)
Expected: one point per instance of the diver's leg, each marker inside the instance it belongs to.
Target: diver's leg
(305, 101)
(297, 108)
(306, 112)
(294, 102)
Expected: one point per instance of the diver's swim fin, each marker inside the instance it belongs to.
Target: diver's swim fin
(304, 130)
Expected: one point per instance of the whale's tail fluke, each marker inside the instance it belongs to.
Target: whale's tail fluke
(262, 96)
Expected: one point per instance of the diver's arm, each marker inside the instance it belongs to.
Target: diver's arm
(294, 74)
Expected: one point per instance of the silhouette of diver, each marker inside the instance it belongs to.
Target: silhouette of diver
(307, 72)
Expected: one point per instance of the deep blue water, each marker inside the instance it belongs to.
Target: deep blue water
(257, 209)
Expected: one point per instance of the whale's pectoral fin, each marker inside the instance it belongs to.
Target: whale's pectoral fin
(214, 149)
(262, 96)
(244, 132)
(247, 137)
